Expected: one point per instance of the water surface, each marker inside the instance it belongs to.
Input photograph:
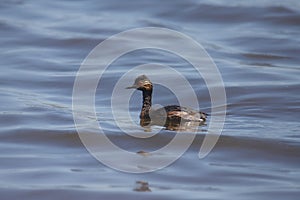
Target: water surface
(255, 46)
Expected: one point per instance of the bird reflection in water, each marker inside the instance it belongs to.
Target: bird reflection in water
(142, 186)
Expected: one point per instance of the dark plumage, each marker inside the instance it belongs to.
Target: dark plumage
(172, 117)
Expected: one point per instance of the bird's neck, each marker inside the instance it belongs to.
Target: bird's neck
(147, 102)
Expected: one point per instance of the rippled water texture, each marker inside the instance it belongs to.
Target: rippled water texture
(255, 45)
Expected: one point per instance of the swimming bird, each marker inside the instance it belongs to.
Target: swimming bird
(172, 117)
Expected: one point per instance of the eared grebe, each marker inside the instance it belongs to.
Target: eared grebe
(172, 117)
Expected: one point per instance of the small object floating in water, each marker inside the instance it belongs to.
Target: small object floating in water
(142, 186)
(172, 117)
(143, 153)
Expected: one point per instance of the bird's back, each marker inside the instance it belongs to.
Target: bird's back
(178, 114)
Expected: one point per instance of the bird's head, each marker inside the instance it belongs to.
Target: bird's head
(142, 83)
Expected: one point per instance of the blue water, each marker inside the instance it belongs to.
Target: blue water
(255, 46)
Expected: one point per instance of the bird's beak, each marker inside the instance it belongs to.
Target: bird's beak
(131, 87)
